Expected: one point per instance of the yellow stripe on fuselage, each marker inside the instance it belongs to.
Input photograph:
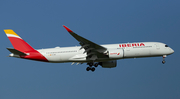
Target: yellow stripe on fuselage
(9, 31)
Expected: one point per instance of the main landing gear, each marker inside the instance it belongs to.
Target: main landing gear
(164, 56)
(91, 66)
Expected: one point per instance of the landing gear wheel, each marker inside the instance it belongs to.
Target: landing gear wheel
(163, 61)
(96, 65)
(88, 68)
(90, 64)
(93, 69)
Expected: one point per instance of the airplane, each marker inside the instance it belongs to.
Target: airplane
(89, 52)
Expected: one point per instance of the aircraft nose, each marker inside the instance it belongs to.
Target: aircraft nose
(172, 51)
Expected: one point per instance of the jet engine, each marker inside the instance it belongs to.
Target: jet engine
(116, 53)
(109, 64)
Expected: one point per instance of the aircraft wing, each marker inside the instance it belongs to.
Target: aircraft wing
(94, 51)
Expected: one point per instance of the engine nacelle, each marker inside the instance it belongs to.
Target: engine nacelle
(116, 53)
(109, 64)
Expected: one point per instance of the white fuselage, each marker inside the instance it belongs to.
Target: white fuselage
(115, 51)
(89, 52)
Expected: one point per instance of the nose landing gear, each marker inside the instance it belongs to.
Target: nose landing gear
(164, 56)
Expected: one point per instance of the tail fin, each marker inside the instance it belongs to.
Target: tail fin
(17, 42)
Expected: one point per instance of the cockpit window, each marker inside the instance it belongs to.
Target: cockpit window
(166, 45)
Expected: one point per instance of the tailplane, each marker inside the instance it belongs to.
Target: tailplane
(16, 52)
(18, 43)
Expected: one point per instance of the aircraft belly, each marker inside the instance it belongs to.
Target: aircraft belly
(160, 52)
(78, 57)
(53, 58)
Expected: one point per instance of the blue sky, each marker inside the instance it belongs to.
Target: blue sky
(39, 22)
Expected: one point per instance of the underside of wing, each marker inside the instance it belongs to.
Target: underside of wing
(93, 50)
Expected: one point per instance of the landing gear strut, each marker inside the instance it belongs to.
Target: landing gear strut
(91, 66)
(164, 56)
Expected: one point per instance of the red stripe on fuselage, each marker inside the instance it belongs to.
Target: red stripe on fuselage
(34, 55)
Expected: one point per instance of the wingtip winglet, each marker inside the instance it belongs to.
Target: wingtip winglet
(67, 28)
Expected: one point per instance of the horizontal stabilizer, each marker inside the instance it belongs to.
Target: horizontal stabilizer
(16, 52)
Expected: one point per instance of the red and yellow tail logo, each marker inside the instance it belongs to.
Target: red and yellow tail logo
(21, 48)
(17, 42)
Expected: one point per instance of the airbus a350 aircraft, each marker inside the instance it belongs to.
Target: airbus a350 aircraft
(89, 52)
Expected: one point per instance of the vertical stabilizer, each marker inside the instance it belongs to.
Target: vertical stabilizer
(17, 42)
